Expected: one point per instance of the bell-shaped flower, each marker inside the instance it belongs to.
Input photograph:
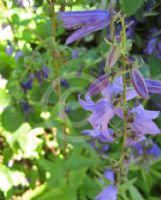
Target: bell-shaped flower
(140, 122)
(85, 21)
(102, 111)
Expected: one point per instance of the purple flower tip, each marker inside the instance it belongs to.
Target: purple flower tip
(153, 86)
(109, 193)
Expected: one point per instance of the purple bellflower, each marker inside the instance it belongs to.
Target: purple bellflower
(148, 148)
(42, 74)
(27, 85)
(85, 21)
(104, 109)
(102, 113)
(140, 123)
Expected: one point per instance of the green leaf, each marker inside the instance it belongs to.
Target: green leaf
(130, 6)
(11, 118)
(134, 193)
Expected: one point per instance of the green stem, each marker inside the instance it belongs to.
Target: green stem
(123, 45)
(124, 82)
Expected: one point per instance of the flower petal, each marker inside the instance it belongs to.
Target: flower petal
(86, 30)
(109, 193)
(153, 86)
(77, 19)
(145, 126)
(98, 85)
(108, 173)
(146, 114)
(139, 83)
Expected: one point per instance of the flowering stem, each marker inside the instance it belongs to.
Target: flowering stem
(124, 81)
(123, 44)
(57, 63)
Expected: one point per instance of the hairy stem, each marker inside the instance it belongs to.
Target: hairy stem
(123, 46)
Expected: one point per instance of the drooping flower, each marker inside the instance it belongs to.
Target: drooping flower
(105, 108)
(27, 85)
(42, 74)
(148, 148)
(102, 113)
(45, 71)
(140, 122)
(85, 21)
(25, 106)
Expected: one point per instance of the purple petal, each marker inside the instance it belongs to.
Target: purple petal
(102, 111)
(153, 86)
(18, 55)
(151, 46)
(86, 30)
(130, 94)
(9, 50)
(146, 114)
(139, 148)
(108, 173)
(77, 19)
(139, 83)
(98, 85)
(102, 114)
(113, 56)
(145, 126)
(155, 151)
(104, 136)
(117, 85)
(109, 193)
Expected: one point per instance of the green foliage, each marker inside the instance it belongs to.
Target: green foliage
(130, 7)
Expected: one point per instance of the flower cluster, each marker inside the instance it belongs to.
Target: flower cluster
(41, 75)
(139, 120)
(115, 93)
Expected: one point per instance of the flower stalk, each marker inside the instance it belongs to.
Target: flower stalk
(119, 170)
